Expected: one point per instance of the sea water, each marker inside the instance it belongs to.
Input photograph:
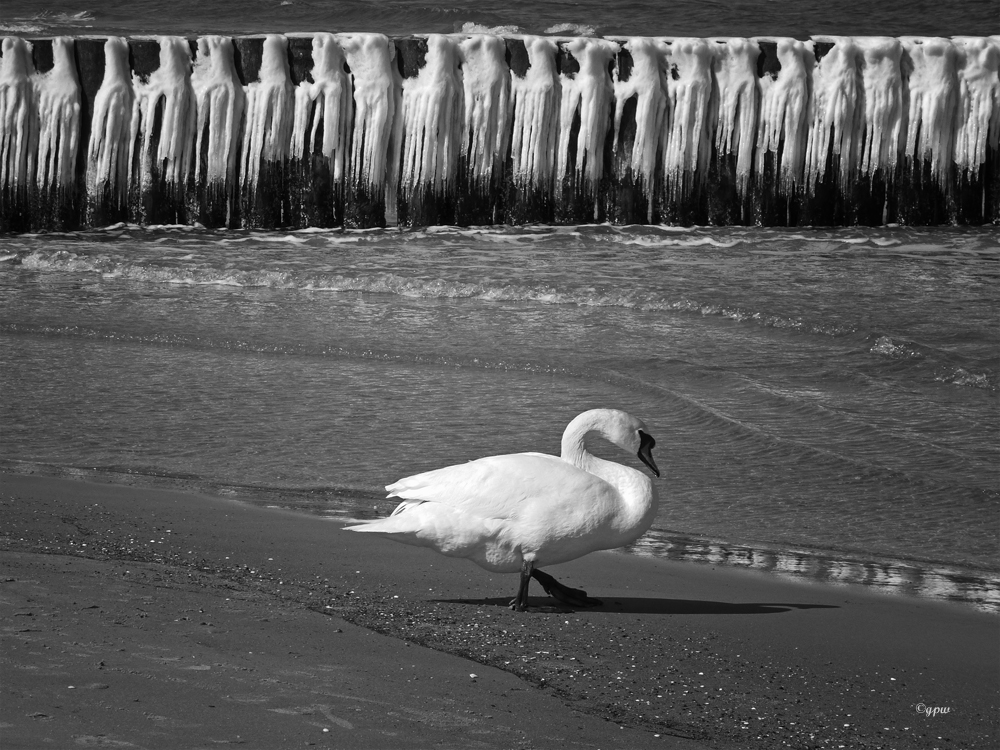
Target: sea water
(824, 401)
(823, 390)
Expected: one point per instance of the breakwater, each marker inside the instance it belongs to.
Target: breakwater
(363, 130)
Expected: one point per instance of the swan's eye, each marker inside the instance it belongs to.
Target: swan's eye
(646, 439)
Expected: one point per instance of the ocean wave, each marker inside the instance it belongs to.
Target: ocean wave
(897, 349)
(961, 376)
(572, 29)
(21, 27)
(112, 268)
(943, 369)
(470, 27)
(176, 264)
(46, 20)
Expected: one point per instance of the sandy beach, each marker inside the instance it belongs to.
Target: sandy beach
(149, 618)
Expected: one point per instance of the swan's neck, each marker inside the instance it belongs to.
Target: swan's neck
(635, 488)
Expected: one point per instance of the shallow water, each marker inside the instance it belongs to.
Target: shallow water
(801, 18)
(834, 390)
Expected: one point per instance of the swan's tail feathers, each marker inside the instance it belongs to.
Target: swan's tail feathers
(377, 527)
(447, 530)
(404, 505)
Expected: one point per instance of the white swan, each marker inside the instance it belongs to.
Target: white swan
(511, 513)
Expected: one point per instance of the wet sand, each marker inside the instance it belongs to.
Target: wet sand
(136, 617)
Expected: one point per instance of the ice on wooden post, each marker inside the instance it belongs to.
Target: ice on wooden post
(977, 126)
(57, 106)
(17, 158)
(220, 103)
(978, 102)
(270, 111)
(111, 143)
(584, 119)
(163, 131)
(535, 99)
(639, 117)
(735, 106)
(785, 69)
(376, 82)
(882, 118)
(433, 115)
(687, 143)
(930, 86)
(324, 107)
(834, 118)
(486, 83)
(833, 114)
(39, 137)
(321, 134)
(783, 126)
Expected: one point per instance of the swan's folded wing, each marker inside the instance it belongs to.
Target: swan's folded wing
(448, 530)
(495, 486)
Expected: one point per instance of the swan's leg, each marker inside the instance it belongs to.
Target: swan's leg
(564, 594)
(520, 602)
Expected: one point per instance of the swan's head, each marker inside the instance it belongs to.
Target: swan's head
(618, 427)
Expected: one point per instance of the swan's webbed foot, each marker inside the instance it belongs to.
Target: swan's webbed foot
(564, 594)
(520, 602)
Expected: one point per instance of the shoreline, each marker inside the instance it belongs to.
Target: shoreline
(966, 584)
(680, 655)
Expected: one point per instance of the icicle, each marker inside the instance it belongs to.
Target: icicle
(833, 112)
(735, 66)
(994, 134)
(486, 84)
(57, 104)
(932, 88)
(219, 102)
(16, 115)
(330, 94)
(647, 84)
(270, 112)
(587, 95)
(370, 58)
(978, 110)
(883, 104)
(687, 147)
(535, 98)
(784, 101)
(432, 119)
(168, 89)
(110, 148)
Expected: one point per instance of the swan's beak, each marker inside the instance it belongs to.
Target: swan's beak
(645, 454)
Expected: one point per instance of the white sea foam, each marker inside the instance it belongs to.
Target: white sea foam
(576, 29)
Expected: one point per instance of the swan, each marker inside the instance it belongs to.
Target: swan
(520, 511)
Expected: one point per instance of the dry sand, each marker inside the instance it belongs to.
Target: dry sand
(135, 617)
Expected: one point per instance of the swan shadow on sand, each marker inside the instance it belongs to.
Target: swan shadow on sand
(633, 605)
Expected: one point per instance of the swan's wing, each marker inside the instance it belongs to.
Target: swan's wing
(497, 486)
(451, 531)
